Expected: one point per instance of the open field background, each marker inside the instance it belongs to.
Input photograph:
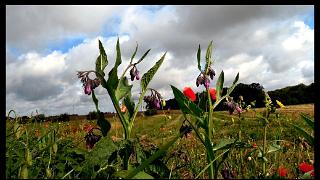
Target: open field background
(187, 157)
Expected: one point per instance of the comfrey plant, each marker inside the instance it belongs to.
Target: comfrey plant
(203, 119)
(118, 89)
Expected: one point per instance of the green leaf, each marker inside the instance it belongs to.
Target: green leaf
(95, 100)
(156, 155)
(307, 175)
(146, 78)
(142, 175)
(219, 86)
(113, 80)
(144, 55)
(305, 134)
(129, 104)
(99, 155)
(234, 84)
(118, 59)
(123, 88)
(308, 120)
(208, 57)
(104, 124)
(187, 106)
(134, 54)
(198, 57)
(102, 60)
(273, 148)
(224, 143)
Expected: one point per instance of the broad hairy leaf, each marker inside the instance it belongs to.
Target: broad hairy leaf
(99, 155)
(187, 106)
(208, 57)
(123, 88)
(102, 60)
(146, 78)
(144, 55)
(219, 86)
(199, 58)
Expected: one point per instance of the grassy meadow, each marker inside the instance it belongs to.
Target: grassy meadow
(187, 157)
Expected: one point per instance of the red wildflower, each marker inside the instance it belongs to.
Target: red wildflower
(213, 93)
(254, 145)
(187, 91)
(88, 127)
(305, 167)
(282, 172)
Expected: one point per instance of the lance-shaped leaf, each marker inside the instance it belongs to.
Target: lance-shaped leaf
(104, 124)
(95, 100)
(223, 144)
(234, 84)
(187, 106)
(305, 134)
(308, 120)
(102, 60)
(123, 88)
(129, 104)
(208, 57)
(219, 86)
(146, 78)
(113, 80)
(144, 55)
(134, 54)
(198, 58)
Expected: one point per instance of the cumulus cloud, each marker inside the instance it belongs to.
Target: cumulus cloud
(271, 45)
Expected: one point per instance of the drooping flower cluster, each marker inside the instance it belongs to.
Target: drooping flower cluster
(88, 84)
(134, 73)
(153, 101)
(91, 139)
(232, 106)
(203, 77)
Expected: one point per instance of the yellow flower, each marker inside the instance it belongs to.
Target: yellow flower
(280, 104)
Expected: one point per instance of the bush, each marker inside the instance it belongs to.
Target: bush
(150, 112)
(92, 115)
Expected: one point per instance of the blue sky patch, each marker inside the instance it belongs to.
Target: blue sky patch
(65, 44)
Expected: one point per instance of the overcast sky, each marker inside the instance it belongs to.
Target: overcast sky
(46, 45)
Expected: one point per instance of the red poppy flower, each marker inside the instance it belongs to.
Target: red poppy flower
(282, 172)
(213, 93)
(88, 127)
(187, 91)
(254, 145)
(305, 167)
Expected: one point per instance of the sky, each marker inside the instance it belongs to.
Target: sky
(47, 45)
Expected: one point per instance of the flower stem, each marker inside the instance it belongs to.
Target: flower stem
(264, 150)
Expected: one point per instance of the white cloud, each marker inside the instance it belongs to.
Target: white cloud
(265, 44)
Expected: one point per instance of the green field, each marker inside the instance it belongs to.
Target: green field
(186, 158)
